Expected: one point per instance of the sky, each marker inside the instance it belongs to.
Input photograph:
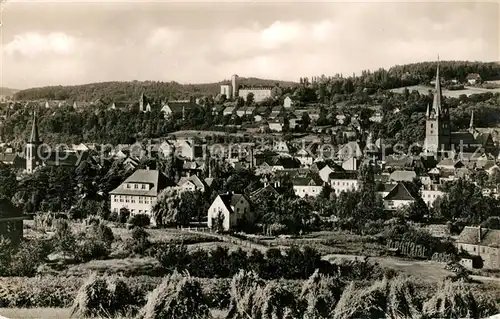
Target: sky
(67, 42)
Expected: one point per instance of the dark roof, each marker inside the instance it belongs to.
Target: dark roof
(475, 235)
(230, 199)
(34, 137)
(7, 157)
(465, 137)
(399, 192)
(176, 106)
(264, 191)
(154, 177)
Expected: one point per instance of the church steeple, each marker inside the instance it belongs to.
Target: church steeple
(436, 104)
(34, 137)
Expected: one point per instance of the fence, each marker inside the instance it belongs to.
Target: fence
(409, 249)
(228, 238)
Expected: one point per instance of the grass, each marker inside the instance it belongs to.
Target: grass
(64, 313)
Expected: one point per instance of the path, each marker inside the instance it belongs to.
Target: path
(227, 238)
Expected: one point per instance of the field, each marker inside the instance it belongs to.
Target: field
(422, 89)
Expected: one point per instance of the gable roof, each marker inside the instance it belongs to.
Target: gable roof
(264, 191)
(399, 192)
(193, 179)
(155, 178)
(230, 200)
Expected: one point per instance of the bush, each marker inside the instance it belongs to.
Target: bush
(90, 249)
(28, 257)
(320, 295)
(101, 296)
(177, 297)
(139, 220)
(139, 243)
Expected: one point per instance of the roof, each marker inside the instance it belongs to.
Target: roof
(193, 179)
(479, 236)
(34, 137)
(264, 191)
(7, 157)
(177, 106)
(8, 210)
(463, 137)
(156, 179)
(399, 192)
(473, 76)
(400, 176)
(230, 200)
(309, 180)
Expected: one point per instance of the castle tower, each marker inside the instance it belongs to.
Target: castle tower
(437, 123)
(234, 84)
(32, 147)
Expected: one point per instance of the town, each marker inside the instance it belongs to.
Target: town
(280, 180)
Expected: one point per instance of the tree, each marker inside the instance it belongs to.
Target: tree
(250, 99)
(64, 239)
(8, 182)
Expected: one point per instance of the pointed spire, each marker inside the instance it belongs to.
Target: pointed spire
(436, 104)
(34, 138)
(471, 125)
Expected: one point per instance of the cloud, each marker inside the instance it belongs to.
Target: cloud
(192, 42)
(32, 44)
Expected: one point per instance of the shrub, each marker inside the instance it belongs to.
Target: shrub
(367, 302)
(244, 286)
(123, 215)
(177, 297)
(403, 299)
(139, 220)
(456, 300)
(90, 249)
(320, 295)
(101, 296)
(28, 257)
(139, 243)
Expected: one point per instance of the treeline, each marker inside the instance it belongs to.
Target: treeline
(108, 92)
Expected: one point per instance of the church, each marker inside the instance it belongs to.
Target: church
(442, 142)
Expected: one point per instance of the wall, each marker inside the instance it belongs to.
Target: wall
(344, 185)
(306, 190)
(259, 95)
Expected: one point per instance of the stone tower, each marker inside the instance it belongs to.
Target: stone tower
(234, 85)
(32, 147)
(437, 122)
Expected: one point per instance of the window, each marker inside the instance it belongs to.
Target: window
(128, 185)
(136, 186)
(474, 249)
(432, 125)
(143, 186)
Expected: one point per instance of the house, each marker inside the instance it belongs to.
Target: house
(229, 111)
(309, 186)
(180, 107)
(229, 211)
(482, 242)
(305, 158)
(399, 196)
(324, 173)
(139, 192)
(263, 192)
(449, 164)
(289, 102)
(430, 193)
(275, 125)
(351, 164)
(191, 184)
(187, 149)
(351, 149)
(11, 222)
(473, 78)
(276, 112)
(343, 182)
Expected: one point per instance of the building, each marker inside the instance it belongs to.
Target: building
(343, 182)
(11, 222)
(430, 193)
(180, 107)
(32, 148)
(482, 242)
(191, 184)
(398, 197)
(289, 102)
(437, 122)
(473, 78)
(229, 211)
(309, 186)
(259, 94)
(275, 126)
(226, 89)
(139, 192)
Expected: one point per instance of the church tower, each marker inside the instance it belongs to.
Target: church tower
(437, 122)
(32, 147)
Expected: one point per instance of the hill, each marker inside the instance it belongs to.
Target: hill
(127, 91)
(7, 91)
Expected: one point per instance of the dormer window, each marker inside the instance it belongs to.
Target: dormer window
(128, 185)
(136, 186)
(143, 186)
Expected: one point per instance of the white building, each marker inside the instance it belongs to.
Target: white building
(307, 186)
(289, 102)
(226, 89)
(398, 197)
(259, 94)
(191, 184)
(230, 210)
(139, 192)
(430, 193)
(340, 185)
